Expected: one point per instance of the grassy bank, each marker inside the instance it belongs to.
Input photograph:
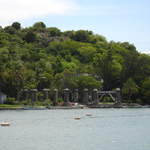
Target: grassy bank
(6, 106)
(18, 107)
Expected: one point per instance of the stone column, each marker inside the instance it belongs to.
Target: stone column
(26, 94)
(85, 96)
(34, 95)
(55, 96)
(118, 95)
(76, 95)
(19, 95)
(46, 93)
(66, 96)
(95, 96)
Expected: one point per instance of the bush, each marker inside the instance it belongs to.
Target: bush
(107, 99)
(60, 100)
(11, 100)
(47, 102)
(16, 25)
(38, 103)
(26, 102)
(139, 101)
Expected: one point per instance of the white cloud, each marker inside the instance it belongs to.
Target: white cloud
(17, 10)
(104, 10)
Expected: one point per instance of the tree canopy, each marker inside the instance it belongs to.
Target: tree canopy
(45, 57)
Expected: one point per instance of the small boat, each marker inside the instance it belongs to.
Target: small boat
(88, 114)
(4, 124)
(77, 118)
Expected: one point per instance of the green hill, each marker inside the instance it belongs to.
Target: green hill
(45, 57)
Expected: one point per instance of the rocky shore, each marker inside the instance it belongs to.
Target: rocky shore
(122, 105)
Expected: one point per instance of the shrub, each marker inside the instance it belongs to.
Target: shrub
(11, 100)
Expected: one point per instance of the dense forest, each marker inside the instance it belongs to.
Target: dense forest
(45, 57)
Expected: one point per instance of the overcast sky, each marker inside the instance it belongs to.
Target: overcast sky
(118, 20)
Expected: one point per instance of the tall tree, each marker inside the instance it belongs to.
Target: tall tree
(129, 89)
(146, 90)
(108, 68)
(16, 25)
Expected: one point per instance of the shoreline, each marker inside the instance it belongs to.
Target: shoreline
(99, 106)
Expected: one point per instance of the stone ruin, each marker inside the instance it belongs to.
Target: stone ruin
(68, 96)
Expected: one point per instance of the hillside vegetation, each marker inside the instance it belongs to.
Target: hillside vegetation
(45, 57)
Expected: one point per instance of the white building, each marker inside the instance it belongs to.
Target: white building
(2, 97)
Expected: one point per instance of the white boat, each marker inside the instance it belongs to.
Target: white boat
(88, 114)
(77, 118)
(5, 124)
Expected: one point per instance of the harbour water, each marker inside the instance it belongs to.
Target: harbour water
(103, 129)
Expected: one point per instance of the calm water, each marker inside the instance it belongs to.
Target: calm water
(106, 129)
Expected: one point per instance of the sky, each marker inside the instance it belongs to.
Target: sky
(117, 20)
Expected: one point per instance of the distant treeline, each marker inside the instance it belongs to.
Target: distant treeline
(45, 57)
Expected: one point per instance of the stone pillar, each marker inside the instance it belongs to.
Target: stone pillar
(76, 95)
(34, 95)
(66, 96)
(19, 95)
(118, 95)
(85, 96)
(46, 93)
(26, 94)
(55, 96)
(95, 96)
